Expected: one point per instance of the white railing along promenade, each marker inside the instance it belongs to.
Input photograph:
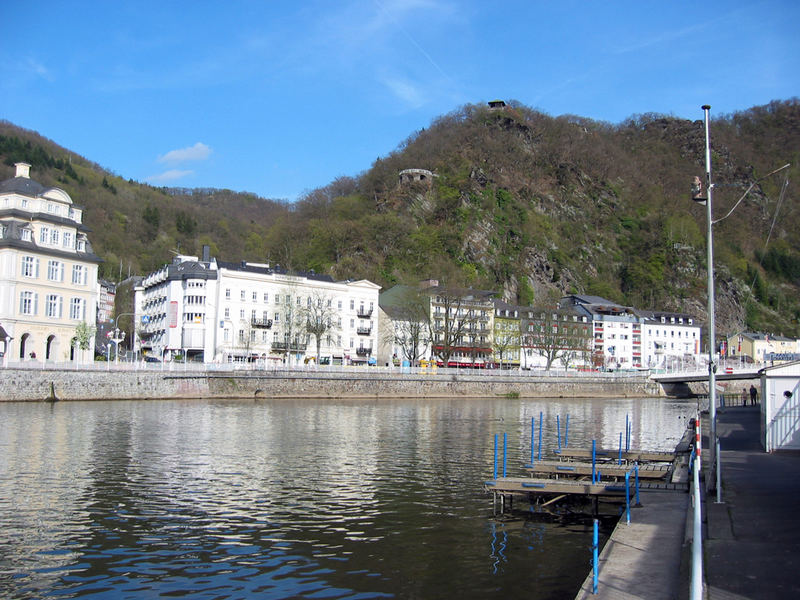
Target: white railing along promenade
(348, 370)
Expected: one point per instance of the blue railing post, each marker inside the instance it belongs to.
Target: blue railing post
(541, 416)
(566, 433)
(619, 460)
(558, 431)
(595, 560)
(594, 461)
(495, 456)
(533, 426)
(628, 497)
(505, 448)
(627, 434)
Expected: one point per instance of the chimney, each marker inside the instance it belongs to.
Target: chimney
(23, 170)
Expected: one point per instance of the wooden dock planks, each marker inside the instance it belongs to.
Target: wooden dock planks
(580, 469)
(530, 485)
(640, 456)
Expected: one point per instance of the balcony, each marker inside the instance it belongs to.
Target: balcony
(363, 312)
(364, 330)
(261, 323)
(289, 347)
(364, 351)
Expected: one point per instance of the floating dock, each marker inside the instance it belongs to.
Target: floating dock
(561, 469)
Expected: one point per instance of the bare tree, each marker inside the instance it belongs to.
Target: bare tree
(410, 325)
(318, 317)
(458, 322)
(554, 335)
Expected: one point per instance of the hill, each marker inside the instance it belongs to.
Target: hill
(518, 201)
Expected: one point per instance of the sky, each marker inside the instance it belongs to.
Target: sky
(280, 98)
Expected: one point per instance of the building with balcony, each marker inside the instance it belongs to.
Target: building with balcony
(48, 272)
(216, 311)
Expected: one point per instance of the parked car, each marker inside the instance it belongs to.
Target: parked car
(150, 358)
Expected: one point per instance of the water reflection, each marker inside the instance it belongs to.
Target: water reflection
(344, 499)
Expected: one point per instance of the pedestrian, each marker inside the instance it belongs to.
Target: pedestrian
(753, 395)
(744, 396)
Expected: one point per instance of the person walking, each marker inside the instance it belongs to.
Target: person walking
(753, 395)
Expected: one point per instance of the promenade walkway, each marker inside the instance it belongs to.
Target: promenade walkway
(752, 543)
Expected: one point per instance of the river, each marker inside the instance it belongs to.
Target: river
(293, 498)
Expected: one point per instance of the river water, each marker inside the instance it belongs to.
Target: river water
(293, 498)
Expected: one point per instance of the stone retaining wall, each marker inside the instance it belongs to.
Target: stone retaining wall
(36, 385)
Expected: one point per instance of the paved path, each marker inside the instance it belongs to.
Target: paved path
(752, 545)
(642, 560)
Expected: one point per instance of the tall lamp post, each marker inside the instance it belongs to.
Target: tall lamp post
(712, 364)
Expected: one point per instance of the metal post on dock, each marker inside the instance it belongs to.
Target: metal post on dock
(541, 416)
(619, 460)
(566, 433)
(594, 461)
(628, 497)
(595, 560)
(636, 473)
(495, 457)
(627, 433)
(505, 450)
(533, 428)
(558, 432)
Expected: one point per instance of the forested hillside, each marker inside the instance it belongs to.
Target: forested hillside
(527, 204)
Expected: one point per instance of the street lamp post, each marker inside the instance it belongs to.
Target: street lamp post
(712, 365)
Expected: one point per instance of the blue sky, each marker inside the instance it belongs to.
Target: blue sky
(278, 98)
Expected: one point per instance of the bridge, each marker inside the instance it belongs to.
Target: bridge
(723, 374)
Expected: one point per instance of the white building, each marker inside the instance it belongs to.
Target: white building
(625, 337)
(670, 340)
(48, 273)
(215, 311)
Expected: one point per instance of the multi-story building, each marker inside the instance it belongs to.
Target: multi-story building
(459, 321)
(215, 311)
(506, 335)
(555, 336)
(762, 348)
(48, 273)
(670, 340)
(106, 293)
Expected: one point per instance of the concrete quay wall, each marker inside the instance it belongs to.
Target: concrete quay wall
(37, 385)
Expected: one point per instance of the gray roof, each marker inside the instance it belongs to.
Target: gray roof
(22, 185)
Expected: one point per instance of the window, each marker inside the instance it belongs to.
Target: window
(79, 274)
(55, 270)
(266, 297)
(53, 306)
(30, 266)
(44, 235)
(26, 235)
(277, 318)
(352, 304)
(227, 293)
(227, 312)
(81, 245)
(255, 296)
(252, 315)
(67, 239)
(241, 314)
(28, 303)
(242, 295)
(77, 309)
(277, 298)
(55, 237)
(226, 335)
(241, 335)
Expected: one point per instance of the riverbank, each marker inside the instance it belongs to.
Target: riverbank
(70, 384)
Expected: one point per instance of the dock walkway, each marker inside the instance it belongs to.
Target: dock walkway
(752, 547)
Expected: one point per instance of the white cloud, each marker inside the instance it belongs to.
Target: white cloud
(197, 152)
(410, 94)
(168, 176)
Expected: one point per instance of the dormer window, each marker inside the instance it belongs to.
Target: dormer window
(81, 246)
(25, 235)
